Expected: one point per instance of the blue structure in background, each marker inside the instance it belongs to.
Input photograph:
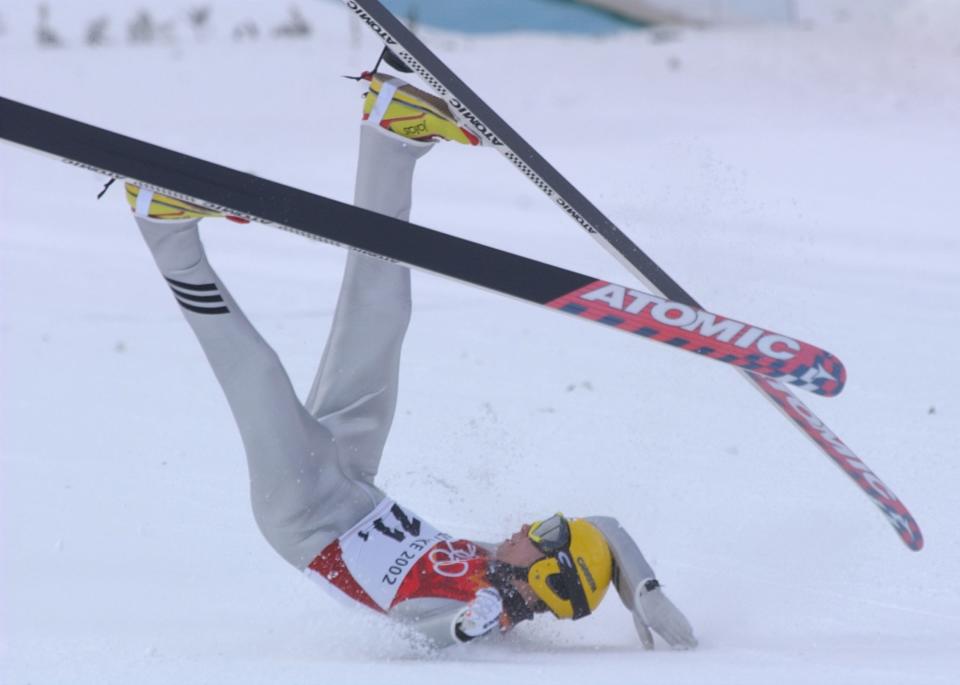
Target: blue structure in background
(497, 16)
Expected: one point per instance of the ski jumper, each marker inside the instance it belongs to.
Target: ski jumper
(312, 465)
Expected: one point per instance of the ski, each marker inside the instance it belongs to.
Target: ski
(476, 115)
(648, 316)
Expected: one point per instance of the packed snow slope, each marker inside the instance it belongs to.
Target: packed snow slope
(801, 178)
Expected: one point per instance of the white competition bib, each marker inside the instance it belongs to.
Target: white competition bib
(382, 548)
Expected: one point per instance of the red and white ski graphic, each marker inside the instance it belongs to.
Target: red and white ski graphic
(695, 330)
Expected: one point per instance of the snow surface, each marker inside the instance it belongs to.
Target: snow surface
(801, 178)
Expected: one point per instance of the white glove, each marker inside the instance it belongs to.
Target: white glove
(652, 610)
(482, 614)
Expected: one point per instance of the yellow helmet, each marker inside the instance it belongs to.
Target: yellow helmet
(574, 576)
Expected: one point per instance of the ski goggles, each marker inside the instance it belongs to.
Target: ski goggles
(550, 535)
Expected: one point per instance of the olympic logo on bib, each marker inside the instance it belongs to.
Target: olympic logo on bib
(451, 562)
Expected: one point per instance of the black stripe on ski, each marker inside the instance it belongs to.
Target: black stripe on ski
(269, 202)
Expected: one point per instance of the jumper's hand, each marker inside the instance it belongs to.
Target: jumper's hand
(482, 614)
(653, 611)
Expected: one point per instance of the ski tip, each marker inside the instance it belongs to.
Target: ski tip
(897, 514)
(825, 376)
(909, 530)
(915, 543)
